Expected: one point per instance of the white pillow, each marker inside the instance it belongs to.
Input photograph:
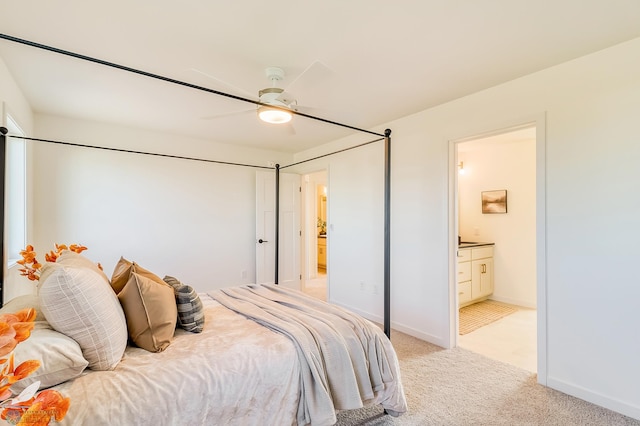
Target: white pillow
(60, 359)
(23, 302)
(79, 302)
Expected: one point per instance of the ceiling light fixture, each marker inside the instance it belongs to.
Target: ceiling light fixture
(274, 115)
(275, 108)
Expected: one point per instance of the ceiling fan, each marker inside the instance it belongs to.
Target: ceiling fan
(275, 105)
(275, 97)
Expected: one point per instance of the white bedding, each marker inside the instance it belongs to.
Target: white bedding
(238, 372)
(235, 372)
(345, 360)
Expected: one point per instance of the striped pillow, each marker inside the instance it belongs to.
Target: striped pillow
(190, 309)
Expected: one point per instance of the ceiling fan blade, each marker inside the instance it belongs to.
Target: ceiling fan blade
(313, 111)
(287, 98)
(314, 73)
(227, 114)
(235, 90)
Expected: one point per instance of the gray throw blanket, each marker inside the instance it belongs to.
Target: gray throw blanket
(346, 361)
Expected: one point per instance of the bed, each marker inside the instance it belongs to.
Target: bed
(264, 354)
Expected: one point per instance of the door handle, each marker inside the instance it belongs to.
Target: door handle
(262, 241)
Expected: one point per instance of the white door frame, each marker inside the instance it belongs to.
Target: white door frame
(309, 246)
(539, 121)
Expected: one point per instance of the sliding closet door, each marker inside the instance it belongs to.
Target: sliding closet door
(290, 236)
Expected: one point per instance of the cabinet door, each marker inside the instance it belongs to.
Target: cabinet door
(322, 254)
(481, 278)
(464, 271)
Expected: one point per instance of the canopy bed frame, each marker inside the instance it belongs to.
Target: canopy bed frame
(389, 394)
(386, 137)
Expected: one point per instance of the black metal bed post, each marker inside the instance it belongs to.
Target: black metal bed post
(387, 232)
(3, 174)
(277, 227)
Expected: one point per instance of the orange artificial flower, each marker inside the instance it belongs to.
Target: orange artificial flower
(28, 255)
(21, 323)
(7, 338)
(23, 370)
(49, 403)
(51, 257)
(5, 393)
(77, 248)
(26, 315)
(31, 265)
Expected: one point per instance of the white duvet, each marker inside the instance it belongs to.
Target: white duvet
(236, 372)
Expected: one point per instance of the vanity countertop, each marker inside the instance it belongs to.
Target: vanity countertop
(467, 244)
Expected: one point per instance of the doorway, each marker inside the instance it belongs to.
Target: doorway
(316, 258)
(496, 263)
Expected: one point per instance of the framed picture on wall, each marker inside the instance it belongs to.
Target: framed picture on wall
(494, 201)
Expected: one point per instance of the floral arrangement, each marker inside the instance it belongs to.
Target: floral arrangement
(31, 265)
(27, 408)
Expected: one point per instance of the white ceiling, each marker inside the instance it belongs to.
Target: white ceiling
(370, 61)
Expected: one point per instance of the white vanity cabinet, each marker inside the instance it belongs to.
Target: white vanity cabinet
(475, 274)
(322, 252)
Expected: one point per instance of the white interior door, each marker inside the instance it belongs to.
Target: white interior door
(290, 235)
(265, 226)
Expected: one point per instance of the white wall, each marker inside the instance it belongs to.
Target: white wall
(192, 220)
(510, 165)
(355, 213)
(591, 106)
(13, 102)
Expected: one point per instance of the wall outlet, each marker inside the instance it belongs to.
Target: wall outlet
(476, 231)
(243, 275)
(361, 285)
(375, 289)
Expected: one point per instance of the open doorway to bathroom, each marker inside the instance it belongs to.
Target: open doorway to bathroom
(496, 254)
(317, 235)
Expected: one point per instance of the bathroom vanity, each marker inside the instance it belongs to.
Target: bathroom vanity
(475, 272)
(322, 251)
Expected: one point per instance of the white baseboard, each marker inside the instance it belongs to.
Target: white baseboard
(436, 340)
(622, 407)
(516, 302)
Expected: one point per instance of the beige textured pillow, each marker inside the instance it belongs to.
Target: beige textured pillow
(60, 359)
(151, 312)
(121, 274)
(78, 302)
(70, 258)
(123, 270)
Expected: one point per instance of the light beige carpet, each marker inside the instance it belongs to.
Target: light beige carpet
(479, 314)
(458, 387)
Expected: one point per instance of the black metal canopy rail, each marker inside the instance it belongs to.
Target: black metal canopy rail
(171, 80)
(387, 163)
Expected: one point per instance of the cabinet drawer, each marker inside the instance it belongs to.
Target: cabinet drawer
(482, 252)
(464, 292)
(464, 271)
(464, 255)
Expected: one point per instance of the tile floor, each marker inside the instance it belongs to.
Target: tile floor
(511, 339)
